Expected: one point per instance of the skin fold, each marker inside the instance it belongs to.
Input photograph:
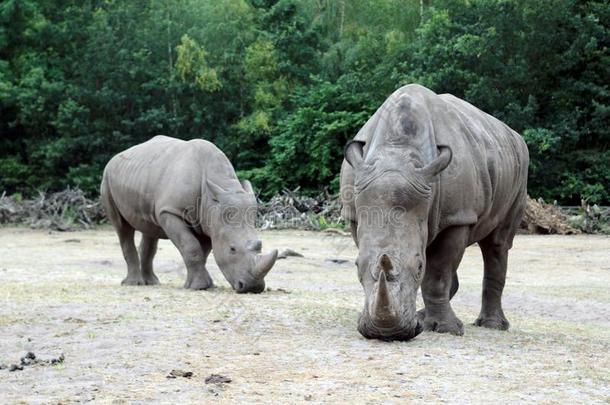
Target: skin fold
(188, 192)
(427, 176)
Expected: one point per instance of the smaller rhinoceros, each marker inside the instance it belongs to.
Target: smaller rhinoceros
(185, 191)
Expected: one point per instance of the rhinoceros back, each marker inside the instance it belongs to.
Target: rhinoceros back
(487, 176)
(163, 174)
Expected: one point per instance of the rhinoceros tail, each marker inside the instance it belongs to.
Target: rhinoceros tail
(112, 212)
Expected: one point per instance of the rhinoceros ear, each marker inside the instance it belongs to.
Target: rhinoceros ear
(215, 190)
(247, 186)
(354, 152)
(439, 164)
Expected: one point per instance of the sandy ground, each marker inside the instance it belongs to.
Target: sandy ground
(60, 293)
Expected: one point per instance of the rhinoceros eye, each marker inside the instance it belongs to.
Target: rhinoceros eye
(232, 249)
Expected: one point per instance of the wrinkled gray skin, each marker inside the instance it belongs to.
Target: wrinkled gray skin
(185, 191)
(427, 176)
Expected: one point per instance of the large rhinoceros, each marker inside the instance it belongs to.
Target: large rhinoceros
(185, 191)
(425, 177)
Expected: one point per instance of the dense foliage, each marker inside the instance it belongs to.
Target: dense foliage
(281, 85)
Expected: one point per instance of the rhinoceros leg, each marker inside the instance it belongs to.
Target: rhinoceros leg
(183, 237)
(353, 227)
(443, 257)
(495, 249)
(125, 232)
(134, 275)
(455, 284)
(495, 258)
(148, 249)
(200, 281)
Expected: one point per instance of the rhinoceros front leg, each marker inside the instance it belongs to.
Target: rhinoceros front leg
(443, 257)
(148, 249)
(183, 237)
(200, 280)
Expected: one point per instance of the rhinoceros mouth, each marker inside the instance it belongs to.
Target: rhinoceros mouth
(388, 333)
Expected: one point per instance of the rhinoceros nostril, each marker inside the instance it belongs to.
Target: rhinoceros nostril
(240, 286)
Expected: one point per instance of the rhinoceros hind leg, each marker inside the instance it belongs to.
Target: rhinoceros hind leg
(134, 275)
(184, 238)
(495, 258)
(125, 232)
(495, 249)
(148, 249)
(440, 281)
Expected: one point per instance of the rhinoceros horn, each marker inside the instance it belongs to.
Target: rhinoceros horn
(264, 263)
(384, 312)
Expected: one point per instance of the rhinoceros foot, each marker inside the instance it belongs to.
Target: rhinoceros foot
(199, 282)
(498, 322)
(151, 280)
(133, 280)
(444, 324)
(139, 280)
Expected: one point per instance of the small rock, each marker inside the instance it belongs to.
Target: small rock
(336, 261)
(28, 359)
(3, 366)
(180, 373)
(278, 290)
(288, 253)
(15, 367)
(26, 362)
(217, 379)
(72, 241)
(308, 397)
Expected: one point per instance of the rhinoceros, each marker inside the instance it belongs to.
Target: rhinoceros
(185, 191)
(425, 177)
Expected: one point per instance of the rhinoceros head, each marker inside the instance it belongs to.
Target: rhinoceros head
(392, 195)
(235, 244)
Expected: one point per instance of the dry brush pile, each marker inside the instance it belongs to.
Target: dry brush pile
(71, 209)
(62, 211)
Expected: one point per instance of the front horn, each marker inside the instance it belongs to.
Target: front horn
(384, 313)
(263, 265)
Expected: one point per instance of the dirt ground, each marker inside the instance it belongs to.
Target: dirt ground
(297, 342)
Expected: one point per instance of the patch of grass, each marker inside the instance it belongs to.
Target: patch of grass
(59, 366)
(6, 321)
